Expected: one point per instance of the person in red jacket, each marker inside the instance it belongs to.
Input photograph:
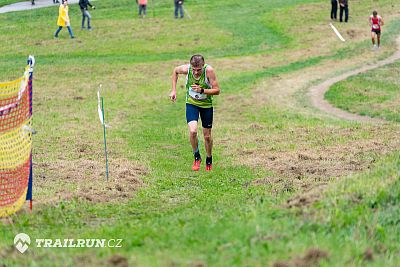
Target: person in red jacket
(376, 21)
(142, 7)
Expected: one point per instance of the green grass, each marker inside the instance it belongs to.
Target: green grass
(229, 217)
(374, 93)
(8, 2)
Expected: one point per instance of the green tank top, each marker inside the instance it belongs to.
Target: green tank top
(194, 98)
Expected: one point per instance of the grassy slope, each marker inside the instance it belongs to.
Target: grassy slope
(374, 93)
(184, 218)
(8, 2)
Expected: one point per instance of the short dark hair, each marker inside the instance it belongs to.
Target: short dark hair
(197, 60)
(374, 13)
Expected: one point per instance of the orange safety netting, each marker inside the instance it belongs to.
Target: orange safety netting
(13, 183)
(15, 142)
(14, 109)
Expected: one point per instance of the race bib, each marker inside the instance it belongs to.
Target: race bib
(375, 26)
(196, 96)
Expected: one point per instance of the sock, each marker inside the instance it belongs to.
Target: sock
(197, 154)
(209, 160)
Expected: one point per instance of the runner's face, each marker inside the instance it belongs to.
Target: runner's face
(197, 71)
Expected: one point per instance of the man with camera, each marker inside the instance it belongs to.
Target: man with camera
(178, 7)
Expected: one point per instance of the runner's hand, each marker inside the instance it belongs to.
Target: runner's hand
(172, 96)
(196, 88)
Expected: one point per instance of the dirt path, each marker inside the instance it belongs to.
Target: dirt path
(322, 151)
(317, 92)
(27, 5)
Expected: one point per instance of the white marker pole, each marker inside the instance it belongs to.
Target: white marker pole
(100, 109)
(337, 32)
(187, 13)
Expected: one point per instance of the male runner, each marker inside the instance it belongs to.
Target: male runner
(201, 85)
(376, 21)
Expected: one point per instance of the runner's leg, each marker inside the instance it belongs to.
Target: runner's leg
(373, 37)
(206, 115)
(208, 142)
(193, 135)
(192, 117)
(378, 36)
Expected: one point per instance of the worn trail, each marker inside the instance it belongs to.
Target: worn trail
(318, 91)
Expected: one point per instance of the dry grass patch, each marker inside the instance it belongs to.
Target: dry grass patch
(84, 179)
(302, 158)
(312, 257)
(306, 160)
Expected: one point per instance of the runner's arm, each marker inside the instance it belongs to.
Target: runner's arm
(182, 69)
(213, 81)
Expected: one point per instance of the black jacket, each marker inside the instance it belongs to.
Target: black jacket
(84, 4)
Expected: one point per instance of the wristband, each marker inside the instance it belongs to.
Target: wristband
(202, 91)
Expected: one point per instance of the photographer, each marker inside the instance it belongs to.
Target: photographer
(83, 4)
(178, 6)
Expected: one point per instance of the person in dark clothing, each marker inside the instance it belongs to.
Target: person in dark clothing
(344, 6)
(33, 2)
(83, 4)
(178, 7)
(55, 2)
(334, 4)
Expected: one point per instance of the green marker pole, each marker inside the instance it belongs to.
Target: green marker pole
(105, 138)
(154, 8)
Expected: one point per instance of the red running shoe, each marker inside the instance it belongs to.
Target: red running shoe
(196, 165)
(208, 167)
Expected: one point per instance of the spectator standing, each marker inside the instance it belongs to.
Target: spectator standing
(334, 4)
(178, 7)
(344, 7)
(142, 7)
(83, 4)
